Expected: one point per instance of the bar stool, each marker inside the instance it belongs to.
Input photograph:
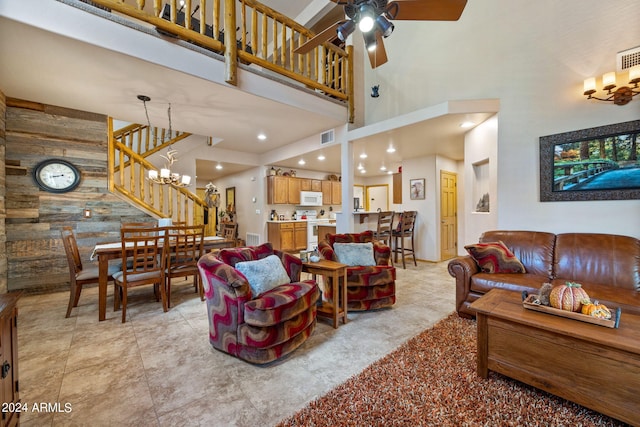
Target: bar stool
(403, 231)
(385, 225)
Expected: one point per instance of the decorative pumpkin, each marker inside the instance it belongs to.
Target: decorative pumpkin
(568, 296)
(595, 309)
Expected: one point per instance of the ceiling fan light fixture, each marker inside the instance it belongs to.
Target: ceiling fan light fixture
(370, 41)
(367, 18)
(386, 27)
(346, 29)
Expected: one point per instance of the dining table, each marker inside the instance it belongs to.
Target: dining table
(104, 252)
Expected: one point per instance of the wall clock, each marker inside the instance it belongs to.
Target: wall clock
(56, 176)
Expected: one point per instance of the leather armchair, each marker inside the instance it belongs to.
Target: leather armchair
(263, 328)
(368, 287)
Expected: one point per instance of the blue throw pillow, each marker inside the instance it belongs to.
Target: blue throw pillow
(355, 254)
(264, 274)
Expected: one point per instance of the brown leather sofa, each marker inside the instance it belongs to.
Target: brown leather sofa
(607, 266)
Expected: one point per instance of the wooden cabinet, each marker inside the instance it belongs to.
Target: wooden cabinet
(331, 192)
(294, 191)
(324, 229)
(288, 236)
(277, 190)
(9, 359)
(336, 193)
(285, 190)
(397, 188)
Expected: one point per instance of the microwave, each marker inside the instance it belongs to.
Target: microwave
(310, 198)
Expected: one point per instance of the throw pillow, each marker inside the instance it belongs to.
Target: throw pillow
(495, 257)
(264, 274)
(355, 254)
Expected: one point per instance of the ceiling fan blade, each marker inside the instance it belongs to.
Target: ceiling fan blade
(323, 36)
(427, 10)
(378, 56)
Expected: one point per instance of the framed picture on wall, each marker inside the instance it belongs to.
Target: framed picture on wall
(601, 163)
(416, 189)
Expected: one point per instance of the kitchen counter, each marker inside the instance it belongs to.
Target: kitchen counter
(288, 220)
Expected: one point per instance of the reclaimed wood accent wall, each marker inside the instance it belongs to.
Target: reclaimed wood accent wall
(3, 234)
(35, 132)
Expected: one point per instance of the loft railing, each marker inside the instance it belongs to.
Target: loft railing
(145, 140)
(128, 171)
(267, 39)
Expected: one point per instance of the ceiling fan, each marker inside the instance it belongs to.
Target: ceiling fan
(373, 18)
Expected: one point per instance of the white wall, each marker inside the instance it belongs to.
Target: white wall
(533, 57)
(480, 145)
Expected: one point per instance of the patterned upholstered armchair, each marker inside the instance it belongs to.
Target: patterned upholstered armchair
(368, 287)
(258, 328)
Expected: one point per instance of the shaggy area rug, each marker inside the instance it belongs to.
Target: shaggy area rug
(431, 381)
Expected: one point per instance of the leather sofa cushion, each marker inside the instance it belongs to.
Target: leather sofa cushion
(534, 249)
(604, 259)
(484, 282)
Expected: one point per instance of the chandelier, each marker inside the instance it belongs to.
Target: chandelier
(621, 96)
(165, 177)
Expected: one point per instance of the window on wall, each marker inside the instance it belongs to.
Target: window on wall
(481, 186)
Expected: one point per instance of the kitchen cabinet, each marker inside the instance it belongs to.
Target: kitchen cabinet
(288, 236)
(9, 359)
(324, 229)
(305, 184)
(336, 192)
(294, 191)
(397, 188)
(277, 189)
(316, 185)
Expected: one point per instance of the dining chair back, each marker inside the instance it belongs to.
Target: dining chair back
(185, 249)
(385, 225)
(230, 231)
(403, 231)
(78, 275)
(146, 251)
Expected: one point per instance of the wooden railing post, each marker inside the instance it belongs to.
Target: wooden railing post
(350, 89)
(230, 45)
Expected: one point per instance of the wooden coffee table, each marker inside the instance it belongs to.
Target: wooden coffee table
(335, 275)
(594, 366)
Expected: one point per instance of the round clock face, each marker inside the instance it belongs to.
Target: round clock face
(57, 176)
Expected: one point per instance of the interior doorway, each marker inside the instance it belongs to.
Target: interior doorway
(448, 215)
(377, 197)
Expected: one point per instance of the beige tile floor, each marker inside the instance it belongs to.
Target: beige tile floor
(158, 369)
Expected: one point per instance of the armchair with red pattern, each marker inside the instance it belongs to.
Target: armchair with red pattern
(257, 327)
(371, 286)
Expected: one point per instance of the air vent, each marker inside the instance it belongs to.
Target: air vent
(628, 58)
(327, 137)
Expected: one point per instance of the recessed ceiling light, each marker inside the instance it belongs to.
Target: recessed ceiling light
(383, 168)
(389, 172)
(391, 149)
(321, 157)
(262, 136)
(363, 155)
(466, 124)
(218, 166)
(363, 170)
(360, 167)
(301, 162)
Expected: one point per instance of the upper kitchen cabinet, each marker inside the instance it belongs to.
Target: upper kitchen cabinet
(331, 192)
(294, 191)
(277, 189)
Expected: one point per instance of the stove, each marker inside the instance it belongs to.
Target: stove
(311, 216)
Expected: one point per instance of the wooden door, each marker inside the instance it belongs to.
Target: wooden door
(377, 197)
(448, 215)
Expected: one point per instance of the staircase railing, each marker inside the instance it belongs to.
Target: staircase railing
(128, 171)
(267, 39)
(145, 140)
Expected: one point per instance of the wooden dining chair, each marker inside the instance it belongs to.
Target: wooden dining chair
(230, 232)
(185, 249)
(146, 250)
(78, 275)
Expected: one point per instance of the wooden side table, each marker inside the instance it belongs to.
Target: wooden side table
(335, 275)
